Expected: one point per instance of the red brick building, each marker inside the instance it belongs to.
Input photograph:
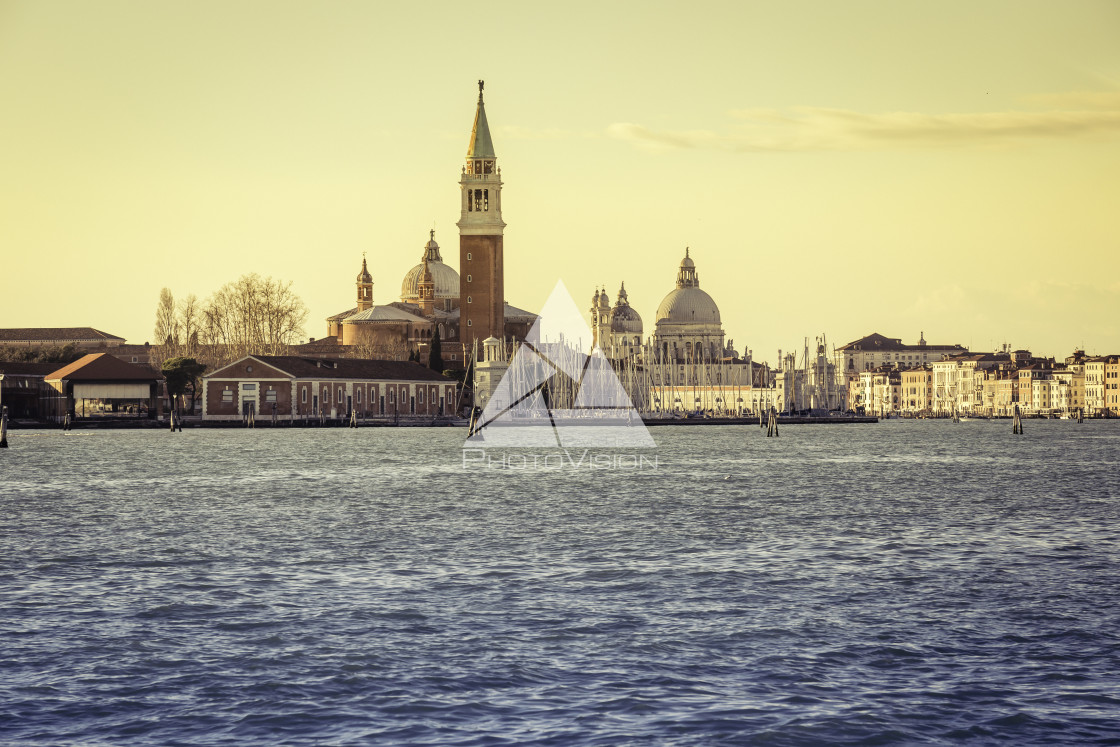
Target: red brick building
(309, 388)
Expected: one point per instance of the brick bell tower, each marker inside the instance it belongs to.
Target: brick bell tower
(481, 287)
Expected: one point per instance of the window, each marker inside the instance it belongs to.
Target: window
(468, 280)
(340, 395)
(270, 395)
(249, 387)
(468, 322)
(358, 396)
(392, 396)
(227, 395)
(468, 299)
(468, 256)
(485, 199)
(420, 396)
(304, 397)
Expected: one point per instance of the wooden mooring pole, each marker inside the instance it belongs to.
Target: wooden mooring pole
(1017, 423)
(4, 428)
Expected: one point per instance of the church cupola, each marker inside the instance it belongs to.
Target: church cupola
(431, 249)
(365, 287)
(686, 276)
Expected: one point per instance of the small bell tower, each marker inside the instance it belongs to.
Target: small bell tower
(427, 289)
(365, 287)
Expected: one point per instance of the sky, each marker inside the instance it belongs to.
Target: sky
(836, 169)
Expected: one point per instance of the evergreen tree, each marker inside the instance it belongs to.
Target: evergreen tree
(435, 352)
(182, 375)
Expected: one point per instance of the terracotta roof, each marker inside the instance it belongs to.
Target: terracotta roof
(876, 341)
(348, 368)
(61, 334)
(103, 367)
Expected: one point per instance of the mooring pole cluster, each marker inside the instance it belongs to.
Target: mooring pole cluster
(772, 424)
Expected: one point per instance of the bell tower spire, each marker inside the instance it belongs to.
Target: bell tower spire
(481, 229)
(365, 287)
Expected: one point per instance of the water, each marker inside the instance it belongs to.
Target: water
(898, 583)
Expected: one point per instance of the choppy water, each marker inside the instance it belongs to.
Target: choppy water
(906, 582)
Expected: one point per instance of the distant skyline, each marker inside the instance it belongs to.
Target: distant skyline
(835, 168)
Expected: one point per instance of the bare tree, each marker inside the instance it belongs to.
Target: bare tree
(371, 345)
(252, 315)
(189, 318)
(167, 327)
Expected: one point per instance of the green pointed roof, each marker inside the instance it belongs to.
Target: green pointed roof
(481, 146)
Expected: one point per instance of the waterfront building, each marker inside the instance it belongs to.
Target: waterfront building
(875, 350)
(1030, 395)
(1112, 385)
(1095, 386)
(293, 388)
(99, 384)
(24, 390)
(917, 389)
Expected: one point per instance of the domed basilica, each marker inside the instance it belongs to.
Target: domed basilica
(434, 297)
(687, 327)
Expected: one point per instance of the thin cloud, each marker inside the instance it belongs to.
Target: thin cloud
(517, 132)
(817, 128)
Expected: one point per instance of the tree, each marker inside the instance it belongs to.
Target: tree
(187, 318)
(167, 328)
(435, 352)
(253, 315)
(182, 375)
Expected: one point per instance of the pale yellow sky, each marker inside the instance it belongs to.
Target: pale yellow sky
(841, 168)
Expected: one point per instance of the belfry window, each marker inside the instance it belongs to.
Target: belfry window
(478, 200)
(485, 199)
(488, 167)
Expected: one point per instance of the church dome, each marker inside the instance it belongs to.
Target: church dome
(446, 279)
(687, 304)
(624, 319)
